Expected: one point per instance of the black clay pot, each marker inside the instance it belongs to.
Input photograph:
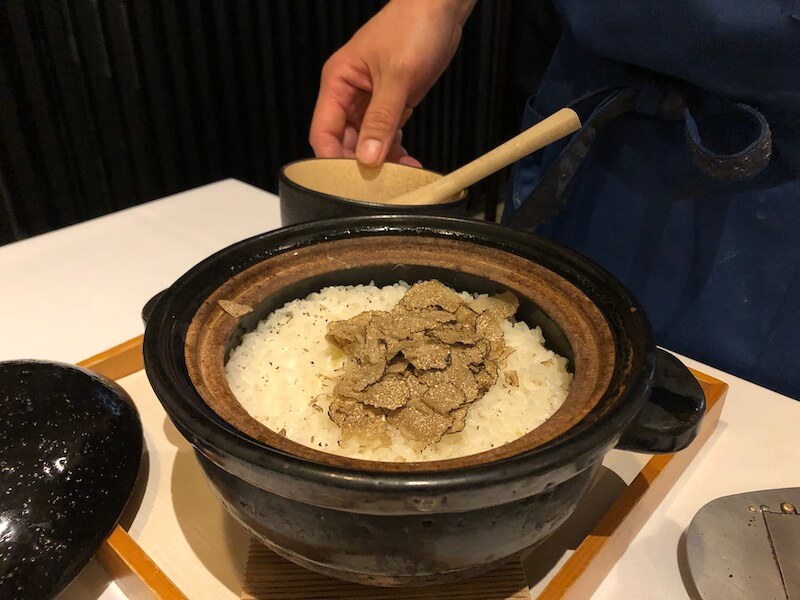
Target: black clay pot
(414, 523)
(332, 188)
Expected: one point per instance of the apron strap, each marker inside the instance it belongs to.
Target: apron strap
(737, 165)
(664, 102)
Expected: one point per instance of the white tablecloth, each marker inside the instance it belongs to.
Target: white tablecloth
(75, 292)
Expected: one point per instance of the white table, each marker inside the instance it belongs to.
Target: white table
(72, 293)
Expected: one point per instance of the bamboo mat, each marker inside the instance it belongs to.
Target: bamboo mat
(270, 577)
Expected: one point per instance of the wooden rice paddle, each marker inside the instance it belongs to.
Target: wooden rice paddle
(553, 128)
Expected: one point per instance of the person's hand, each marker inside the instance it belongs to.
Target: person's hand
(370, 86)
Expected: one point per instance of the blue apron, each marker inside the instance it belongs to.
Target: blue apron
(685, 181)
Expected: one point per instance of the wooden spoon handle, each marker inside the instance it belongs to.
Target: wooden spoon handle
(545, 132)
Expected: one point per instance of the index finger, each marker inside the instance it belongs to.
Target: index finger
(327, 126)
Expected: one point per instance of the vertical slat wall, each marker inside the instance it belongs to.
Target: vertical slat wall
(108, 103)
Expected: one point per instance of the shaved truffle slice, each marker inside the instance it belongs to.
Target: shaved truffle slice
(471, 355)
(488, 327)
(502, 306)
(491, 368)
(349, 335)
(416, 388)
(512, 377)
(457, 374)
(405, 324)
(358, 377)
(358, 421)
(466, 316)
(459, 417)
(431, 294)
(420, 365)
(444, 398)
(455, 333)
(484, 380)
(397, 365)
(424, 353)
(468, 384)
(234, 309)
(390, 393)
(420, 423)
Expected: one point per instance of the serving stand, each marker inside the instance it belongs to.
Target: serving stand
(177, 541)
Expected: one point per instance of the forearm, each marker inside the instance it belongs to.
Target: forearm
(458, 10)
(461, 9)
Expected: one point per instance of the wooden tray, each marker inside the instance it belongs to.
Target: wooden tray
(181, 543)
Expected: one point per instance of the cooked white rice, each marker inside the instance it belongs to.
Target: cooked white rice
(284, 371)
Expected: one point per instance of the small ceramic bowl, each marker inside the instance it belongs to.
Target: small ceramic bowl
(330, 188)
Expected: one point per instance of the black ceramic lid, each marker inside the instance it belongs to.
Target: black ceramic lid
(70, 449)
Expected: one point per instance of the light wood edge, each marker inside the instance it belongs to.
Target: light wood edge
(585, 570)
(139, 577)
(119, 361)
(553, 128)
(132, 569)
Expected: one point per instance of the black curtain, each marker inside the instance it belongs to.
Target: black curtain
(105, 104)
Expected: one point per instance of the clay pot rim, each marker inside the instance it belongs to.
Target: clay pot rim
(586, 329)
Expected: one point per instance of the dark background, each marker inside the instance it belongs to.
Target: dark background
(107, 104)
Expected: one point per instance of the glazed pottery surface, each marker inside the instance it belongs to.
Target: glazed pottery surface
(415, 523)
(69, 457)
(328, 188)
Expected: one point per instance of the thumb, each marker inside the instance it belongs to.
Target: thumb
(380, 123)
